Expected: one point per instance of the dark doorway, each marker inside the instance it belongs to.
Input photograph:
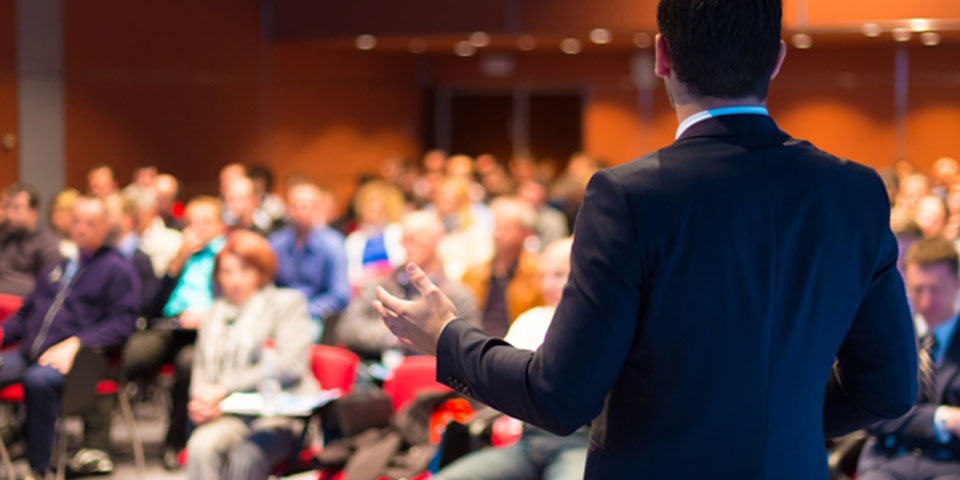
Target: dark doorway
(541, 123)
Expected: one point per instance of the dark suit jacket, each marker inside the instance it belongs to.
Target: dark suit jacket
(713, 284)
(914, 431)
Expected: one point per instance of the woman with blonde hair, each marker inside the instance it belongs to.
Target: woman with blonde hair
(374, 249)
(468, 241)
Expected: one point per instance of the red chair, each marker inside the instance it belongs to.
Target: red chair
(414, 375)
(9, 304)
(334, 367)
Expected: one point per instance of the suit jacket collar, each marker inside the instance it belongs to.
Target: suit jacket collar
(733, 125)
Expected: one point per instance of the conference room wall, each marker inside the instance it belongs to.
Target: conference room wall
(148, 84)
(8, 90)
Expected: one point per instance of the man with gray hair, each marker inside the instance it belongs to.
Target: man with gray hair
(509, 284)
(360, 328)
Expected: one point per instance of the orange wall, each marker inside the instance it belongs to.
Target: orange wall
(146, 83)
(8, 90)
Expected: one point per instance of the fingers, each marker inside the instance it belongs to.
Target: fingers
(420, 279)
(390, 302)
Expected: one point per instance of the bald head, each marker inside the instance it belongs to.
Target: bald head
(240, 199)
(91, 224)
(554, 270)
(422, 232)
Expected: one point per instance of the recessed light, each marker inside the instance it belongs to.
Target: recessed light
(526, 43)
(802, 41)
(571, 46)
(601, 36)
(902, 34)
(919, 24)
(872, 30)
(464, 48)
(479, 39)
(930, 39)
(642, 40)
(365, 42)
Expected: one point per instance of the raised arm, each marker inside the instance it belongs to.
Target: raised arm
(562, 385)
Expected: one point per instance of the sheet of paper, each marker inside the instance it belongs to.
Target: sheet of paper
(286, 404)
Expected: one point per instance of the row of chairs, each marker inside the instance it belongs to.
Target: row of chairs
(333, 367)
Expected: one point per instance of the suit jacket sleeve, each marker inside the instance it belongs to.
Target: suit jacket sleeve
(562, 385)
(875, 375)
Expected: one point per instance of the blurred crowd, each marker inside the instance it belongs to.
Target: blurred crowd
(218, 284)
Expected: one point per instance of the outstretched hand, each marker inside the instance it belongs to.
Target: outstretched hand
(417, 323)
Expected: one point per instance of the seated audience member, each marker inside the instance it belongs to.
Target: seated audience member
(931, 216)
(167, 190)
(551, 223)
(186, 294)
(61, 220)
(361, 329)
(467, 241)
(508, 285)
(538, 454)
(240, 206)
(25, 248)
(248, 313)
(951, 230)
(144, 179)
(374, 249)
(122, 213)
(101, 181)
(158, 241)
(100, 299)
(945, 172)
(230, 172)
(94, 457)
(311, 258)
(925, 443)
(912, 189)
(567, 191)
(270, 207)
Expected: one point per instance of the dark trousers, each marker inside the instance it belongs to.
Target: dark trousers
(907, 466)
(143, 354)
(42, 387)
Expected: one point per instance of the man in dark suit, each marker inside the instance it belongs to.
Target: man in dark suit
(733, 297)
(924, 443)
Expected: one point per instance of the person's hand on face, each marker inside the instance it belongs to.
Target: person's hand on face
(60, 356)
(418, 323)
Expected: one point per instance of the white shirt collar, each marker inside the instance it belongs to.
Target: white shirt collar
(719, 112)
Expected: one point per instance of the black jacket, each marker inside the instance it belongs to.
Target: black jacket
(713, 284)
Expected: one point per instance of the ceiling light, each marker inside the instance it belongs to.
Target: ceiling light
(526, 43)
(464, 48)
(571, 46)
(919, 24)
(930, 39)
(802, 41)
(642, 40)
(479, 39)
(902, 34)
(601, 36)
(872, 30)
(365, 42)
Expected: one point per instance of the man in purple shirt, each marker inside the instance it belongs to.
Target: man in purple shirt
(89, 301)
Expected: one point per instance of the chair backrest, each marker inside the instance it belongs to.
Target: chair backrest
(9, 304)
(334, 367)
(414, 375)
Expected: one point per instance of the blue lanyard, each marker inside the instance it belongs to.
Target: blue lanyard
(719, 112)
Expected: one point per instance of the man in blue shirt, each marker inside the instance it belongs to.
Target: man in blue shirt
(312, 258)
(924, 443)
